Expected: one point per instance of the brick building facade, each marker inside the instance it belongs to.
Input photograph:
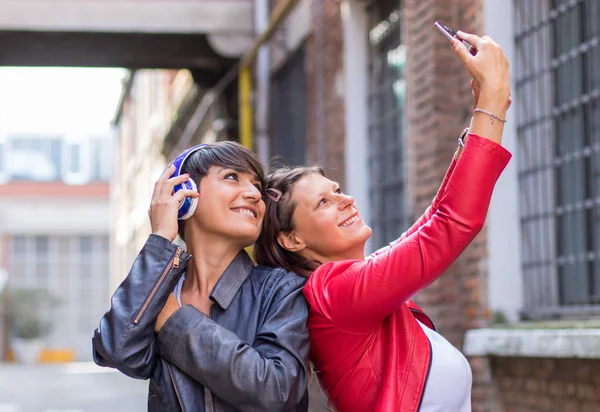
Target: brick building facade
(485, 282)
(370, 91)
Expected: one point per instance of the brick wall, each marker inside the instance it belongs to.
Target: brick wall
(329, 50)
(546, 385)
(439, 104)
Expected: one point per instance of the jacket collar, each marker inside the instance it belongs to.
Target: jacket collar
(232, 280)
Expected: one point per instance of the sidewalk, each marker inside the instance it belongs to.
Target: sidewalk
(74, 387)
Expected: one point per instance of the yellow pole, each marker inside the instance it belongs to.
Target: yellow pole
(281, 11)
(245, 102)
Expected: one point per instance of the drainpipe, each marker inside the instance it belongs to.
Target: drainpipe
(320, 84)
(261, 22)
(245, 96)
(281, 11)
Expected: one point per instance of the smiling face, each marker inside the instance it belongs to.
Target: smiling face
(326, 223)
(230, 205)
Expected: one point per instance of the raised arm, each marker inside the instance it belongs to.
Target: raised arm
(269, 374)
(358, 295)
(428, 212)
(125, 339)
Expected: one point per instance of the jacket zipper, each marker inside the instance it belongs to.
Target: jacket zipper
(426, 376)
(175, 387)
(423, 313)
(173, 263)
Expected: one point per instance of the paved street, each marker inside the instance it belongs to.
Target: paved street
(76, 387)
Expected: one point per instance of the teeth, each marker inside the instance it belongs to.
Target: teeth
(349, 221)
(244, 211)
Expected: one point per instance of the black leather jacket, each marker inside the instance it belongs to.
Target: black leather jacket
(251, 354)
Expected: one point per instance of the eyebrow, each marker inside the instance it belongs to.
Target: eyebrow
(335, 185)
(255, 177)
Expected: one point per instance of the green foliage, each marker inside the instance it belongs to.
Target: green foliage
(31, 312)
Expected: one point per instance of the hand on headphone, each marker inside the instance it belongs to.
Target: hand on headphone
(165, 204)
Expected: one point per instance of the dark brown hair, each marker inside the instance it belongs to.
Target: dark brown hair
(278, 219)
(227, 154)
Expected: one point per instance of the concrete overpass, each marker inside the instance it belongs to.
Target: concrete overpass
(203, 35)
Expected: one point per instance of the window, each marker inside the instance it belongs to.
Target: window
(100, 159)
(22, 151)
(558, 89)
(1, 158)
(3, 162)
(74, 158)
(55, 154)
(77, 160)
(74, 269)
(386, 123)
(289, 108)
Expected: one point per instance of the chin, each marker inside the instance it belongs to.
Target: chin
(247, 237)
(365, 232)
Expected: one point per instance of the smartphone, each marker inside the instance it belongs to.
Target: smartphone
(450, 34)
(445, 30)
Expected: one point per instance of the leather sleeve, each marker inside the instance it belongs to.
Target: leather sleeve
(269, 374)
(125, 338)
(358, 295)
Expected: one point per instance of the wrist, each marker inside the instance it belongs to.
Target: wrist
(497, 103)
(167, 236)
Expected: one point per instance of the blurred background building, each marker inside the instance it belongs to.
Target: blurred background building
(54, 208)
(373, 93)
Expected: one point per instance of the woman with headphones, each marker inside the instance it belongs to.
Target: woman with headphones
(211, 330)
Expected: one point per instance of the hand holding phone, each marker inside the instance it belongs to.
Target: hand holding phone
(486, 63)
(449, 33)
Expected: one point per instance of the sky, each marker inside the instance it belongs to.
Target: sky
(58, 99)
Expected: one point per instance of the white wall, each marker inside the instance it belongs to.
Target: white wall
(505, 282)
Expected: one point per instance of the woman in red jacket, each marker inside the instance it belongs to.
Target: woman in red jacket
(373, 349)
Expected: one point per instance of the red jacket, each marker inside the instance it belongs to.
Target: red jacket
(370, 354)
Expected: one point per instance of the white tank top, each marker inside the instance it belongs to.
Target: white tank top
(448, 386)
(177, 290)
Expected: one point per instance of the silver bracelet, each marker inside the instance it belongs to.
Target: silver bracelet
(492, 115)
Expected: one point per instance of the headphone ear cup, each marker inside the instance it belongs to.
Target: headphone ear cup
(188, 205)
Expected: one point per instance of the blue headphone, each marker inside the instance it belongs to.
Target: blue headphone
(188, 206)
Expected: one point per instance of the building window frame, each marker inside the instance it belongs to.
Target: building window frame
(76, 152)
(3, 159)
(386, 123)
(558, 104)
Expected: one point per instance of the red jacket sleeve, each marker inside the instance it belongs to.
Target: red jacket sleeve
(358, 295)
(428, 212)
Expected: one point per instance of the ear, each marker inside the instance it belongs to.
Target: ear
(290, 241)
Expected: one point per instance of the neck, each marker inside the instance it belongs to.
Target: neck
(351, 254)
(211, 257)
